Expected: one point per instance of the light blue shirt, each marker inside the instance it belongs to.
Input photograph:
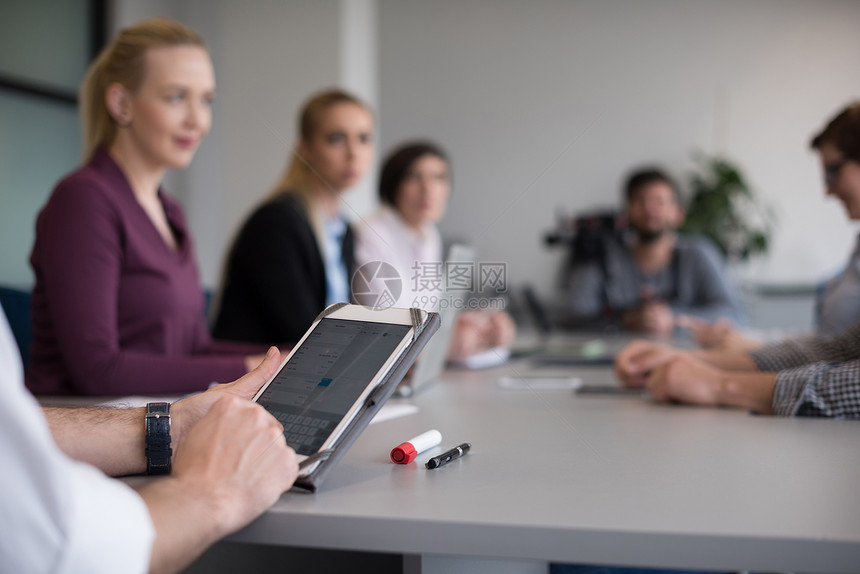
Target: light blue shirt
(336, 276)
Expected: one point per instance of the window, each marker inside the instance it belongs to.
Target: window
(45, 48)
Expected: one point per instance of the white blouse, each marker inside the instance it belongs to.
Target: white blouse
(415, 255)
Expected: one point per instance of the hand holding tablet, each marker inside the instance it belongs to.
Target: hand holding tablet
(339, 374)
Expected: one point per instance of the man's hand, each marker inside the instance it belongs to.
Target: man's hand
(652, 316)
(636, 361)
(658, 318)
(251, 361)
(237, 455)
(231, 466)
(185, 413)
(687, 380)
(717, 335)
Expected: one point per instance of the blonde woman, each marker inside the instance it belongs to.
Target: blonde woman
(117, 304)
(294, 254)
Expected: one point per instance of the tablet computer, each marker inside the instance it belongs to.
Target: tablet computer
(337, 372)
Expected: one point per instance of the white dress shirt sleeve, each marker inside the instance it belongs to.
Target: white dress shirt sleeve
(59, 515)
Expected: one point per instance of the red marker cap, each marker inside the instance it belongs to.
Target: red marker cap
(403, 454)
(406, 452)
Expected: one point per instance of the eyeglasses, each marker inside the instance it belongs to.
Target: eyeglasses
(832, 171)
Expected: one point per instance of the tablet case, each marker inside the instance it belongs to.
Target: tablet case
(420, 336)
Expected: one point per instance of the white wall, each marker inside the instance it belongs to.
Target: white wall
(546, 104)
(359, 65)
(543, 105)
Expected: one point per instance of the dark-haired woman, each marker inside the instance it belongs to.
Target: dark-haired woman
(414, 187)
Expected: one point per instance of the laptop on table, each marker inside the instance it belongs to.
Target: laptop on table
(432, 360)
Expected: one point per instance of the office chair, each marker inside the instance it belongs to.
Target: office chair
(16, 305)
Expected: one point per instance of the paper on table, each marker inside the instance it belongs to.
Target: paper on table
(392, 410)
(540, 382)
(489, 358)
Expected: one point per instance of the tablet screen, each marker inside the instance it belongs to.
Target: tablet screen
(326, 375)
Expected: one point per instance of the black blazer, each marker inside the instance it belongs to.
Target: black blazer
(275, 282)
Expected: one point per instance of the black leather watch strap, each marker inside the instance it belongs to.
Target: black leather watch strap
(158, 451)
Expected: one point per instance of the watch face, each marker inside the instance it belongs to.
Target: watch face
(159, 408)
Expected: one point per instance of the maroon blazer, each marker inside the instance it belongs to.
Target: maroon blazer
(115, 310)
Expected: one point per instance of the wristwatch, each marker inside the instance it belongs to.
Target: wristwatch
(158, 451)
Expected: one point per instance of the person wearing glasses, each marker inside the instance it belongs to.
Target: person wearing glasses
(815, 376)
(837, 306)
(807, 376)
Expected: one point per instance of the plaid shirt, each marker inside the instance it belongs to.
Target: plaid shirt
(817, 376)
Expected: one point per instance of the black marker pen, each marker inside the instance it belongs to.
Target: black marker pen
(447, 457)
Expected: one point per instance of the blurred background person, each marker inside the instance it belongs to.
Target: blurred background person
(414, 188)
(814, 375)
(117, 305)
(837, 305)
(650, 276)
(294, 255)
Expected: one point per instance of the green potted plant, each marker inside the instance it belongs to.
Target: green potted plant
(724, 208)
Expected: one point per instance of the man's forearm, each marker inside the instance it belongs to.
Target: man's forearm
(752, 391)
(114, 439)
(184, 521)
(110, 439)
(727, 359)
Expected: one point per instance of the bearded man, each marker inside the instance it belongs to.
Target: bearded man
(650, 278)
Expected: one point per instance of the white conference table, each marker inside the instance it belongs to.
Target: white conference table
(558, 477)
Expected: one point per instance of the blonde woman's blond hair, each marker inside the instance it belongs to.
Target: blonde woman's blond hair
(123, 62)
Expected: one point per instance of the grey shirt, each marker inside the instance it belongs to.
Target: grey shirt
(694, 283)
(838, 303)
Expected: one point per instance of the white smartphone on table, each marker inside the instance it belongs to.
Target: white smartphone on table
(539, 382)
